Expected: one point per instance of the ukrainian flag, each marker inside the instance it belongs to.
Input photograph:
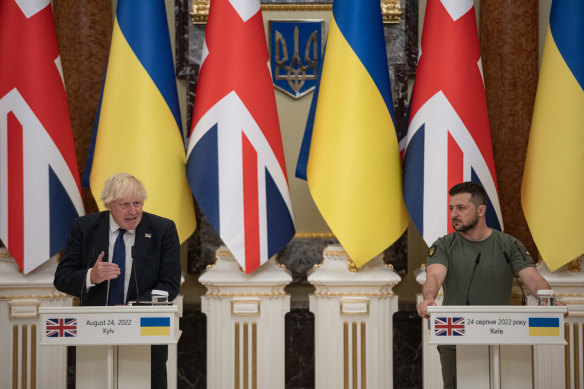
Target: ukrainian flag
(138, 126)
(544, 326)
(154, 326)
(552, 192)
(354, 168)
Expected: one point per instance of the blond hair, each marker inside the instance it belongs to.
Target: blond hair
(122, 185)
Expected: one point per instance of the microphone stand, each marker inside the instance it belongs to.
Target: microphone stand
(477, 259)
(83, 292)
(135, 275)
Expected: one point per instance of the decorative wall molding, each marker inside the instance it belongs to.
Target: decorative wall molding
(391, 10)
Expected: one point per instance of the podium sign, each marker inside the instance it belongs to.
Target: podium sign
(114, 325)
(492, 325)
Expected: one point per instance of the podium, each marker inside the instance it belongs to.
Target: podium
(113, 343)
(494, 343)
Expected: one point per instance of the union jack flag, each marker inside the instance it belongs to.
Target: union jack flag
(235, 158)
(40, 193)
(449, 326)
(61, 328)
(448, 139)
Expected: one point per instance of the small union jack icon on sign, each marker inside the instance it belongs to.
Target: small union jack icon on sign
(449, 326)
(58, 328)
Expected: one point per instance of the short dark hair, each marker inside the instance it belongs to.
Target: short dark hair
(478, 194)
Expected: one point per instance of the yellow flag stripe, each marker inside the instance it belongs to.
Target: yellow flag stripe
(544, 331)
(138, 134)
(154, 331)
(552, 182)
(354, 170)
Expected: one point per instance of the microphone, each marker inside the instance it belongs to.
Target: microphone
(135, 275)
(508, 260)
(477, 259)
(83, 291)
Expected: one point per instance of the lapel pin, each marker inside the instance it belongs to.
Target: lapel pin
(148, 235)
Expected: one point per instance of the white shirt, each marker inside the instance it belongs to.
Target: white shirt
(129, 239)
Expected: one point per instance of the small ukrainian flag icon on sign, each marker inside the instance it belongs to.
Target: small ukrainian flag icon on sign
(544, 326)
(154, 326)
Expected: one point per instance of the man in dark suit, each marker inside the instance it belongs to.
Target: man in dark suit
(121, 255)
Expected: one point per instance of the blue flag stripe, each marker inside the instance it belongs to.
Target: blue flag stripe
(62, 211)
(280, 224)
(89, 160)
(544, 322)
(413, 182)
(367, 43)
(490, 215)
(154, 322)
(302, 163)
(158, 63)
(203, 168)
(567, 28)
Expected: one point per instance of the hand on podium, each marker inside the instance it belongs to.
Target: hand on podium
(559, 303)
(423, 307)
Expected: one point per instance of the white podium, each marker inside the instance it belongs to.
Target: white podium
(480, 331)
(113, 343)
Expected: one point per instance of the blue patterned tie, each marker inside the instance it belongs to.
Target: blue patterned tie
(116, 291)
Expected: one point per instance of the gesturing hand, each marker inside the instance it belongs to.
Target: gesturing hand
(103, 271)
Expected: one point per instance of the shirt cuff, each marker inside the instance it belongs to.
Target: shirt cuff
(88, 283)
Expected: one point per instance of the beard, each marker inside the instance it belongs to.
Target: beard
(464, 227)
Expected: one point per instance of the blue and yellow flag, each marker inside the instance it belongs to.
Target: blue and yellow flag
(154, 326)
(552, 193)
(138, 127)
(544, 326)
(354, 168)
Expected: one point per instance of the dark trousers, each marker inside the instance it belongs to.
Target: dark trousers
(158, 358)
(448, 362)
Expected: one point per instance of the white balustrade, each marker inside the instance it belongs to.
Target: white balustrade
(431, 367)
(23, 363)
(353, 311)
(245, 323)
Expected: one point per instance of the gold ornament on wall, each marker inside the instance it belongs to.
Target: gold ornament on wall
(391, 10)
(200, 11)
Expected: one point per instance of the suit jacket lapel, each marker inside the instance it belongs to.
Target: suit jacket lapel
(102, 235)
(141, 247)
(101, 243)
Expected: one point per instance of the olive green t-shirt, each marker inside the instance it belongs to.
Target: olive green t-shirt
(493, 278)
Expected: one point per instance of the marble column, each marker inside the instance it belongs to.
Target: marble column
(84, 31)
(509, 48)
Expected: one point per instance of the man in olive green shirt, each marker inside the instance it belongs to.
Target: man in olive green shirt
(473, 252)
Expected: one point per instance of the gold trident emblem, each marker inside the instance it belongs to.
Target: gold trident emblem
(296, 71)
